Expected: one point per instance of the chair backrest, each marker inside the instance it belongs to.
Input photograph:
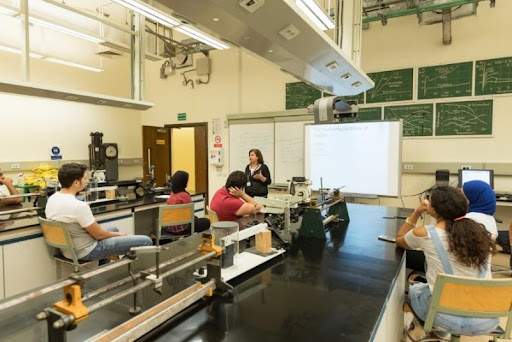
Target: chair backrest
(212, 215)
(56, 234)
(471, 297)
(173, 215)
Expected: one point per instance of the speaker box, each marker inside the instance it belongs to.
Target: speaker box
(442, 177)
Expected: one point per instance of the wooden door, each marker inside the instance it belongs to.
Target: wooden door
(201, 159)
(155, 151)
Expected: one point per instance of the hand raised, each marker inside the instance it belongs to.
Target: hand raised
(236, 191)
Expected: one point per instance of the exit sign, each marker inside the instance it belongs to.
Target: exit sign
(182, 116)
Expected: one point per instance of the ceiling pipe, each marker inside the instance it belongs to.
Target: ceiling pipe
(388, 13)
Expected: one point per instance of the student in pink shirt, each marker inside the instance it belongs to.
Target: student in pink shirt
(180, 196)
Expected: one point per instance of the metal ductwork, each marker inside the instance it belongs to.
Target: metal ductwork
(278, 31)
(428, 11)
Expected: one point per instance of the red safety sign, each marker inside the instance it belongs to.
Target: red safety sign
(218, 139)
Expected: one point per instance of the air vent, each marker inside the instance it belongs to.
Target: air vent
(251, 5)
(289, 32)
(109, 54)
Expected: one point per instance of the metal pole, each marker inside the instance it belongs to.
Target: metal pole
(25, 41)
(127, 280)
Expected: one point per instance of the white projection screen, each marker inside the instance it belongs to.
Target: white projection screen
(361, 157)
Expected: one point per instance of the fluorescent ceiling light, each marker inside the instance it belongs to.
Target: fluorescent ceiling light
(169, 21)
(149, 12)
(8, 11)
(65, 30)
(316, 14)
(50, 59)
(71, 64)
(18, 51)
(202, 37)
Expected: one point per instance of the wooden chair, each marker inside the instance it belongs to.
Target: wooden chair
(471, 297)
(212, 215)
(56, 234)
(174, 215)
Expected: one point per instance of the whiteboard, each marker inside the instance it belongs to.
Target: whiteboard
(289, 150)
(361, 157)
(244, 137)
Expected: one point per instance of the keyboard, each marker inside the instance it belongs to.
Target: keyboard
(504, 197)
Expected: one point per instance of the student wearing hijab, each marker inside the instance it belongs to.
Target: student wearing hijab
(482, 204)
(180, 196)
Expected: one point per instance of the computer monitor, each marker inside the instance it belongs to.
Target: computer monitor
(472, 174)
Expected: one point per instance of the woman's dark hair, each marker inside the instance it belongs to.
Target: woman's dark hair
(71, 172)
(468, 240)
(179, 181)
(258, 155)
(236, 179)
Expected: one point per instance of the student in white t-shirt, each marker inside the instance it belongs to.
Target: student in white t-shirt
(91, 241)
(455, 245)
(6, 189)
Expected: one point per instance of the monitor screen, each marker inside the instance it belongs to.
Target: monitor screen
(471, 174)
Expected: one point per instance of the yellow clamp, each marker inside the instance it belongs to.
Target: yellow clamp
(72, 303)
(208, 245)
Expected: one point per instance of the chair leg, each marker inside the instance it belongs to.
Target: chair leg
(58, 267)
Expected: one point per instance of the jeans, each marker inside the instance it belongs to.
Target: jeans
(419, 296)
(117, 245)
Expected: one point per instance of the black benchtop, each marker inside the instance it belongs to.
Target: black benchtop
(332, 290)
(321, 291)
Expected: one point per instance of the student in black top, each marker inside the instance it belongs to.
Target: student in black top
(258, 175)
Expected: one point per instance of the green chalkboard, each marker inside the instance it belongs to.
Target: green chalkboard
(418, 118)
(369, 114)
(395, 85)
(493, 76)
(451, 80)
(464, 118)
(300, 95)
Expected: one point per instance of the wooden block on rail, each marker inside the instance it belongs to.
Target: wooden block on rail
(264, 242)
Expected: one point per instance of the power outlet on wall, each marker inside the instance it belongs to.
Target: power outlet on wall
(408, 167)
(465, 167)
(15, 166)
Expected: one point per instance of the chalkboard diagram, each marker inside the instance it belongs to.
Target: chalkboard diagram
(442, 81)
(369, 114)
(300, 95)
(494, 76)
(418, 118)
(464, 118)
(393, 85)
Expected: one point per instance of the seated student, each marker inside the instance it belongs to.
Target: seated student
(454, 245)
(91, 241)
(482, 204)
(6, 189)
(180, 196)
(231, 202)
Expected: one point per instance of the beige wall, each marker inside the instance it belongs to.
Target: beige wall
(404, 43)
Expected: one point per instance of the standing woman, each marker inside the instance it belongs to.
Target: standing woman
(180, 196)
(258, 175)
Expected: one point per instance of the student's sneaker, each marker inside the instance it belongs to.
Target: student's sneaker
(442, 335)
